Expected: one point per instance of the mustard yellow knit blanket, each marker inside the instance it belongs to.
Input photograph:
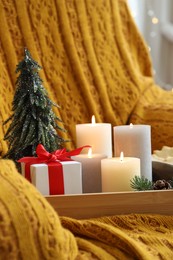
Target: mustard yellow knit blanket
(94, 62)
(31, 229)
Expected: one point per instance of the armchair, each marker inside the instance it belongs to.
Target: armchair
(30, 228)
(94, 62)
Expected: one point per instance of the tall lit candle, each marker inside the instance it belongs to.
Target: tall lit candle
(117, 173)
(135, 141)
(91, 171)
(97, 135)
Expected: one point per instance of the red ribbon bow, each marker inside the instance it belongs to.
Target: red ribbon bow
(46, 157)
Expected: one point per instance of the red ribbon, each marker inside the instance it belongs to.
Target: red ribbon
(46, 157)
(56, 179)
(53, 159)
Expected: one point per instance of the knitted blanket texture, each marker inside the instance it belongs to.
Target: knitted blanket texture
(94, 62)
(31, 229)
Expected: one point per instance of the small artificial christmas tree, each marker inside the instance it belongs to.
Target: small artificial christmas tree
(33, 120)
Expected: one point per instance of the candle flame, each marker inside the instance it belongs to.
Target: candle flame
(93, 120)
(131, 125)
(90, 153)
(121, 156)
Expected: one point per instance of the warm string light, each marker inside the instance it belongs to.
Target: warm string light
(153, 21)
(153, 33)
(152, 18)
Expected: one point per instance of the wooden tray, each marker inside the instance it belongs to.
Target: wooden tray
(106, 204)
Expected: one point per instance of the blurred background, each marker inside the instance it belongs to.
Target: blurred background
(154, 19)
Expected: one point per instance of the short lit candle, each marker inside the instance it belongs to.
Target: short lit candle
(117, 172)
(135, 141)
(91, 171)
(97, 135)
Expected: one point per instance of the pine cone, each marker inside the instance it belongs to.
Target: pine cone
(162, 185)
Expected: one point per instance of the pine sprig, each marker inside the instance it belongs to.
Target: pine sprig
(140, 183)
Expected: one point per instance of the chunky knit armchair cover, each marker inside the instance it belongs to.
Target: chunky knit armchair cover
(31, 229)
(94, 62)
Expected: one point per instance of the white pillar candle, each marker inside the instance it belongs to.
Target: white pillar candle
(117, 173)
(135, 141)
(91, 171)
(97, 135)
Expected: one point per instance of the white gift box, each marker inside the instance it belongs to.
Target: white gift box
(72, 176)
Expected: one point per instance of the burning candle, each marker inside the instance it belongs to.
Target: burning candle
(135, 141)
(117, 172)
(91, 171)
(97, 135)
